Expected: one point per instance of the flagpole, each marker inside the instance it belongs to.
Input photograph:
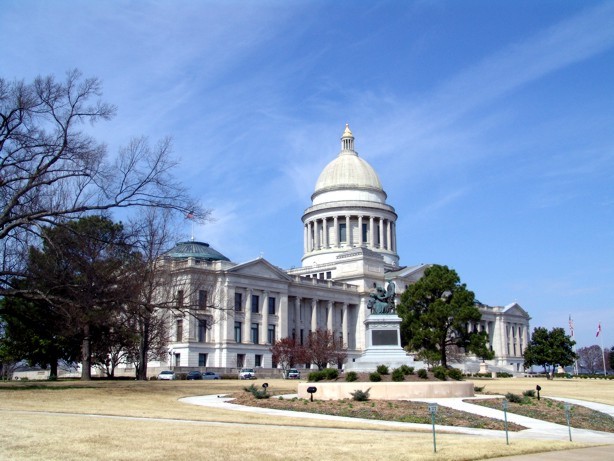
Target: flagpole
(602, 349)
(575, 347)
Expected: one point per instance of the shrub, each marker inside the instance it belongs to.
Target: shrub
(375, 377)
(529, 393)
(382, 369)
(406, 370)
(504, 374)
(422, 373)
(455, 374)
(478, 388)
(360, 396)
(315, 376)
(440, 373)
(330, 373)
(257, 393)
(398, 375)
(351, 376)
(514, 398)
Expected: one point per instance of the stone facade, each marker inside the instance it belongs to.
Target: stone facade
(350, 247)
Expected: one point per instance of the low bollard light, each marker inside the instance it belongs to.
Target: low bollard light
(312, 390)
(264, 386)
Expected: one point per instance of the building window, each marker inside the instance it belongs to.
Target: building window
(271, 306)
(180, 299)
(177, 360)
(302, 337)
(258, 360)
(364, 233)
(179, 330)
(329, 275)
(202, 360)
(240, 360)
(342, 233)
(202, 299)
(238, 302)
(254, 331)
(255, 304)
(202, 330)
(238, 332)
(321, 275)
(271, 334)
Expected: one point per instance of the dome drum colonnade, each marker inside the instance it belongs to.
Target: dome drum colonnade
(348, 210)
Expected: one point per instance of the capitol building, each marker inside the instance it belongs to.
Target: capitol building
(229, 314)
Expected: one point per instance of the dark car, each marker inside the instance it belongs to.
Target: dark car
(194, 375)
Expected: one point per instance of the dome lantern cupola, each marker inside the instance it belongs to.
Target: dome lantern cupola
(347, 140)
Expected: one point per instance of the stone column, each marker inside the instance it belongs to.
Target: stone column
(228, 321)
(247, 327)
(389, 236)
(264, 326)
(348, 232)
(336, 232)
(360, 231)
(282, 317)
(324, 234)
(329, 317)
(371, 232)
(305, 238)
(316, 235)
(344, 323)
(394, 237)
(297, 315)
(314, 314)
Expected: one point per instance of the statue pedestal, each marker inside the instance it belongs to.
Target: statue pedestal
(483, 367)
(383, 345)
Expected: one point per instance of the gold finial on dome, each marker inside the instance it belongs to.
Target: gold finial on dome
(347, 139)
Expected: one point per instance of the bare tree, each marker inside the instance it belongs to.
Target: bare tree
(590, 359)
(323, 349)
(288, 353)
(51, 170)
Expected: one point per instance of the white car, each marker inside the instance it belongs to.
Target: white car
(166, 375)
(247, 373)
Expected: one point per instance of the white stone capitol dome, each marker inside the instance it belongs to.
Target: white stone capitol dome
(348, 177)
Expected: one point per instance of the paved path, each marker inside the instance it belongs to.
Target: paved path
(537, 429)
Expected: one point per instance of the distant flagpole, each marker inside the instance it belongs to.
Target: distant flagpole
(190, 215)
(602, 349)
(575, 364)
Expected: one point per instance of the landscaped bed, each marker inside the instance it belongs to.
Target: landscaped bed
(402, 411)
(552, 411)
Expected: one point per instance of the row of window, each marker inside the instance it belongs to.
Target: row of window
(254, 333)
(202, 299)
(201, 331)
(255, 306)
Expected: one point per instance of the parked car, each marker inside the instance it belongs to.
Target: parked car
(293, 373)
(194, 375)
(247, 373)
(166, 375)
(210, 375)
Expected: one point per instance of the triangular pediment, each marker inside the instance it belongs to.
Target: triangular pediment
(515, 309)
(260, 268)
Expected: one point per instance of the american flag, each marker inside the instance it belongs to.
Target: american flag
(598, 329)
(571, 326)
(189, 215)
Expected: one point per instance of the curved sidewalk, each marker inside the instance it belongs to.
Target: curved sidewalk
(537, 429)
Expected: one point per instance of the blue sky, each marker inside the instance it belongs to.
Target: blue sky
(490, 124)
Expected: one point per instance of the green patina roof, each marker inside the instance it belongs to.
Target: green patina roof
(198, 250)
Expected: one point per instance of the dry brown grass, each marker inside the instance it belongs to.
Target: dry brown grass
(55, 422)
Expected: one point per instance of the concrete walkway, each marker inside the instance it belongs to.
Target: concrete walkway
(537, 429)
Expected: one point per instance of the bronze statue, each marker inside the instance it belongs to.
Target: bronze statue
(382, 302)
